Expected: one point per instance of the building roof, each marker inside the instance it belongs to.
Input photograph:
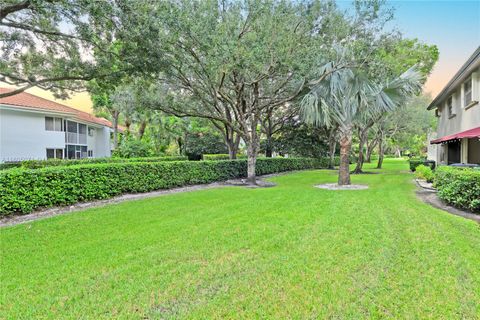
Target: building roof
(29, 101)
(459, 77)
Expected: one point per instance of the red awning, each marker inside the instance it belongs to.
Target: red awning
(472, 133)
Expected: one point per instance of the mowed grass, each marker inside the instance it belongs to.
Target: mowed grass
(292, 251)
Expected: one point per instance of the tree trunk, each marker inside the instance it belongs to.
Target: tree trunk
(345, 147)
(371, 146)
(380, 153)
(331, 150)
(141, 129)
(362, 135)
(251, 162)
(115, 115)
(232, 141)
(268, 147)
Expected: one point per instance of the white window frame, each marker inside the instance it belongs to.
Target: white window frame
(450, 110)
(54, 153)
(56, 121)
(470, 92)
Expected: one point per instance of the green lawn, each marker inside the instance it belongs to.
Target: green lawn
(292, 251)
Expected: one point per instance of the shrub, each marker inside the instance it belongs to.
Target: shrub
(9, 165)
(459, 187)
(132, 148)
(220, 156)
(23, 190)
(414, 163)
(424, 172)
(35, 164)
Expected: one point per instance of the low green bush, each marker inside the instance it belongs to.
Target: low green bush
(9, 165)
(35, 164)
(459, 187)
(425, 173)
(414, 163)
(220, 156)
(24, 190)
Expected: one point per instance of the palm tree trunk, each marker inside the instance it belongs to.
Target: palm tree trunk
(345, 147)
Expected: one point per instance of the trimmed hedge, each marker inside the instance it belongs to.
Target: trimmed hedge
(221, 156)
(36, 164)
(24, 190)
(459, 187)
(414, 163)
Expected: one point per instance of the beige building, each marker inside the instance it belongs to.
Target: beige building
(458, 110)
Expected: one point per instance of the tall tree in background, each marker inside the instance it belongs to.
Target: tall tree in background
(347, 95)
(46, 43)
(231, 61)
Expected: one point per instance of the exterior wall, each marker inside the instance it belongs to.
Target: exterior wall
(102, 143)
(23, 136)
(463, 120)
(432, 148)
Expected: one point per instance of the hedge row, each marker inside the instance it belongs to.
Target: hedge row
(24, 190)
(36, 164)
(459, 187)
(414, 163)
(221, 156)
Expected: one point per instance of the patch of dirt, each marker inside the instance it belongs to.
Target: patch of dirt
(260, 183)
(335, 186)
(429, 195)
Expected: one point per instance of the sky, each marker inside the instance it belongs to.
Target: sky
(454, 26)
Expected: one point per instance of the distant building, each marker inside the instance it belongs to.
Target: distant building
(35, 128)
(458, 110)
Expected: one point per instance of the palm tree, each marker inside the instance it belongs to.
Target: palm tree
(346, 95)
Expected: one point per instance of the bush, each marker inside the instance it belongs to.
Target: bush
(220, 156)
(424, 172)
(9, 165)
(459, 187)
(24, 190)
(132, 148)
(414, 163)
(35, 164)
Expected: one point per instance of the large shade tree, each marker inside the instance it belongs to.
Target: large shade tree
(347, 95)
(233, 61)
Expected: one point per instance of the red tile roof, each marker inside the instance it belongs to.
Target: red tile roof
(26, 100)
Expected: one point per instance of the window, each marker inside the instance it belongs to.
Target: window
(76, 152)
(450, 107)
(437, 113)
(91, 131)
(467, 92)
(90, 153)
(53, 124)
(54, 153)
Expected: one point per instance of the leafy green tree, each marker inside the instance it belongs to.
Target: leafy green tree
(230, 61)
(44, 43)
(346, 96)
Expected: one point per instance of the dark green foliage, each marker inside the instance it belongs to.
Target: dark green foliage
(8, 165)
(459, 187)
(35, 164)
(221, 156)
(24, 190)
(204, 142)
(133, 148)
(414, 163)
